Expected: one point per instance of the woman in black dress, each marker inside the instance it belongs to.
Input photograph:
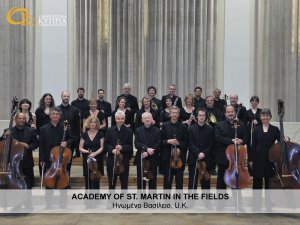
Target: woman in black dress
(25, 107)
(91, 146)
(95, 113)
(42, 112)
(121, 106)
(187, 113)
(165, 113)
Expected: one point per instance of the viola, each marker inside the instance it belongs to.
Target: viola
(118, 162)
(175, 161)
(95, 174)
(146, 167)
(57, 176)
(201, 167)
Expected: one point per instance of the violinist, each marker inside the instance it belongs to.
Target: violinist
(28, 139)
(225, 136)
(174, 135)
(148, 139)
(91, 146)
(201, 138)
(118, 140)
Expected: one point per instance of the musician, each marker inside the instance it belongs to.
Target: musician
(218, 102)
(146, 107)
(91, 146)
(121, 106)
(103, 106)
(151, 90)
(173, 134)
(81, 104)
(199, 102)
(72, 115)
(188, 112)
(214, 115)
(147, 139)
(239, 109)
(25, 107)
(51, 135)
(201, 138)
(28, 139)
(225, 136)
(132, 105)
(42, 112)
(165, 113)
(118, 140)
(176, 100)
(93, 111)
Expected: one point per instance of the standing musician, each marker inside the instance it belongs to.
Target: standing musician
(118, 141)
(147, 143)
(199, 102)
(165, 113)
(176, 100)
(121, 106)
(103, 106)
(146, 107)
(188, 112)
(25, 107)
(51, 135)
(218, 102)
(239, 109)
(214, 115)
(225, 136)
(174, 137)
(28, 139)
(93, 111)
(72, 115)
(81, 103)
(91, 146)
(156, 103)
(201, 138)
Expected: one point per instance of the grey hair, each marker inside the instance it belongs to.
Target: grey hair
(119, 113)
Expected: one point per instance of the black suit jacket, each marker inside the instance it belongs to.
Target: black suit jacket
(148, 139)
(224, 133)
(201, 139)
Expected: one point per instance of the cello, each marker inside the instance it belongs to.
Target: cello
(57, 176)
(236, 176)
(11, 154)
(286, 158)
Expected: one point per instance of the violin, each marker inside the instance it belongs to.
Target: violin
(118, 165)
(11, 154)
(95, 174)
(236, 176)
(57, 176)
(286, 158)
(175, 161)
(201, 167)
(146, 167)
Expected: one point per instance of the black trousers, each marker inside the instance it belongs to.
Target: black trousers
(29, 176)
(169, 174)
(220, 178)
(123, 176)
(193, 179)
(258, 183)
(152, 182)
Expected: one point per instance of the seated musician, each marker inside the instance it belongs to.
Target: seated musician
(118, 144)
(201, 138)
(174, 136)
(147, 142)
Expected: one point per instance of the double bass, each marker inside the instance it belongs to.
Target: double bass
(286, 158)
(57, 176)
(11, 154)
(237, 175)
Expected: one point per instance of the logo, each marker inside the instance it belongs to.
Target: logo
(24, 18)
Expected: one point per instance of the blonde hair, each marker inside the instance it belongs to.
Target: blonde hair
(92, 119)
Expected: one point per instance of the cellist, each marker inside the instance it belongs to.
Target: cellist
(225, 136)
(51, 135)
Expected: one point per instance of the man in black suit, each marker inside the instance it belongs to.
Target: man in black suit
(240, 110)
(28, 140)
(174, 134)
(176, 101)
(71, 114)
(218, 102)
(147, 143)
(201, 138)
(118, 140)
(151, 90)
(103, 106)
(225, 136)
(199, 102)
